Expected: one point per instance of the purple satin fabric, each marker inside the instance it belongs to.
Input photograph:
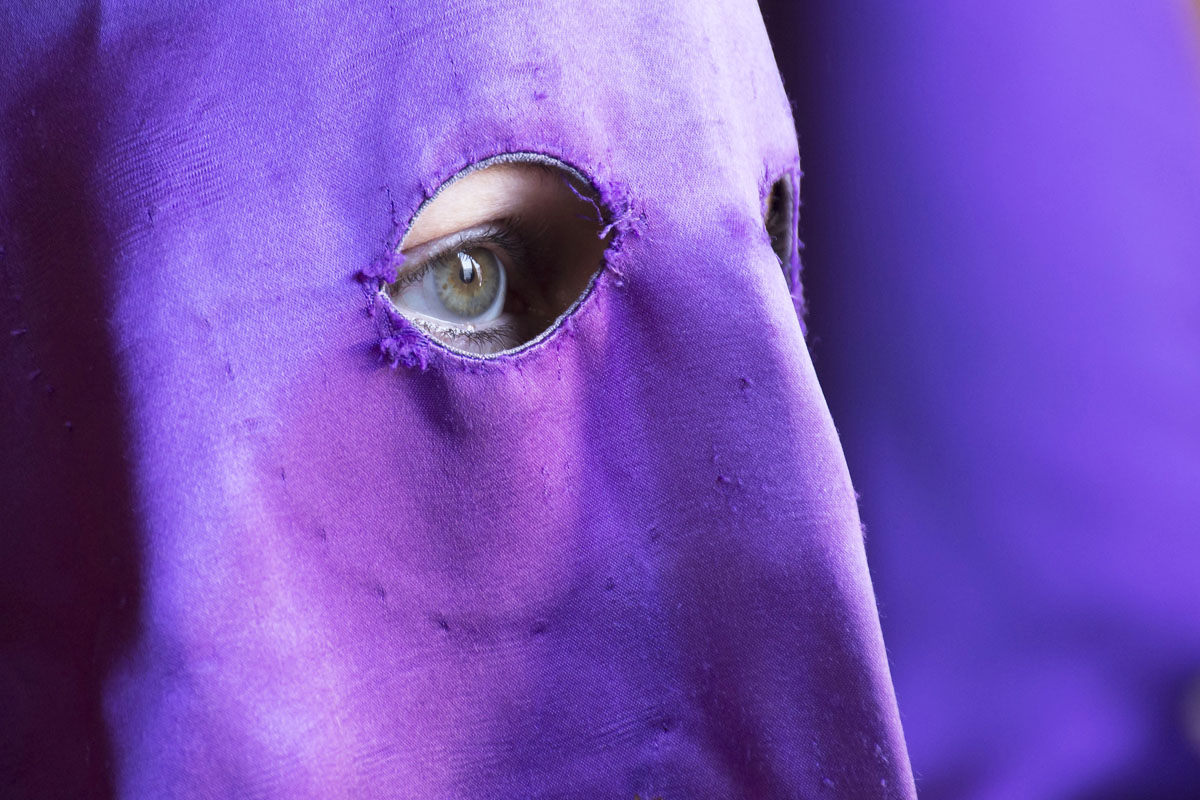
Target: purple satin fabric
(243, 558)
(1002, 220)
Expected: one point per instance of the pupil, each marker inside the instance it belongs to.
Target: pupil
(468, 268)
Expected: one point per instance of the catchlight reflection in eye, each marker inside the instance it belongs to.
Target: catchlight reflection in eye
(498, 255)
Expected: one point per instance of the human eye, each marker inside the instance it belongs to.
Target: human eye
(458, 289)
(497, 256)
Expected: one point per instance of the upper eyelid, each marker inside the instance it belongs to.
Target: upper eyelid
(485, 232)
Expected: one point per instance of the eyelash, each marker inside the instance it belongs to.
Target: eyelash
(497, 334)
(501, 234)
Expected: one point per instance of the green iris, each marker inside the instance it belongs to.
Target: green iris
(467, 281)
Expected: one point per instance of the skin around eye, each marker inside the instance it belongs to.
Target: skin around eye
(498, 255)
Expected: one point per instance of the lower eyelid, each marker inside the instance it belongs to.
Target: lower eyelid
(502, 325)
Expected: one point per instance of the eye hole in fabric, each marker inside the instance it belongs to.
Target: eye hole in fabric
(779, 220)
(497, 256)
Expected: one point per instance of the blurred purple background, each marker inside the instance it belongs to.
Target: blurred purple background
(1002, 220)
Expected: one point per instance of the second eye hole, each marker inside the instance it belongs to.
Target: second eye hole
(779, 222)
(498, 255)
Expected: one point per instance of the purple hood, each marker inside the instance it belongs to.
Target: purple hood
(245, 559)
